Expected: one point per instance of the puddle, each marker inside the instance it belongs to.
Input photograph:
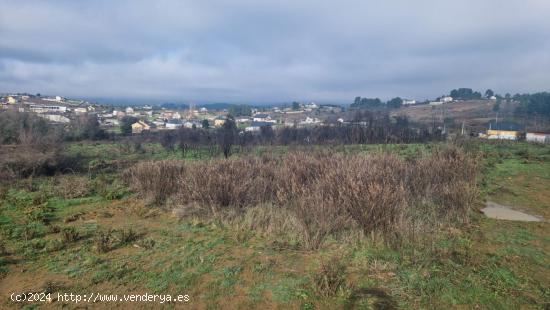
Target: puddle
(500, 212)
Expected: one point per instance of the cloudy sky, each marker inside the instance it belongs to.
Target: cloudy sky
(264, 51)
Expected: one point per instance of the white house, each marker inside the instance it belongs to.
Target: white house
(129, 110)
(56, 118)
(436, 103)
(408, 102)
(80, 110)
(311, 105)
(539, 137)
(261, 118)
(56, 99)
(48, 108)
(309, 121)
(446, 99)
(242, 120)
(174, 124)
(257, 126)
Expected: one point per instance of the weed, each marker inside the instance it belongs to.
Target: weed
(147, 243)
(330, 277)
(70, 234)
(103, 241)
(126, 236)
(72, 186)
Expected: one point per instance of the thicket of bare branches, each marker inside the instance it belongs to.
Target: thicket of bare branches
(324, 193)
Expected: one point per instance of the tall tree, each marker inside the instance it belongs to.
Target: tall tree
(227, 135)
(395, 103)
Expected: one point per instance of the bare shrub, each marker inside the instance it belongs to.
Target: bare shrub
(72, 186)
(447, 178)
(237, 183)
(318, 216)
(372, 189)
(314, 195)
(155, 181)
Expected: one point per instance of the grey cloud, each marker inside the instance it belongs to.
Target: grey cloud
(272, 51)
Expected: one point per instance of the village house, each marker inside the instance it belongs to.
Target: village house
(174, 124)
(539, 137)
(408, 102)
(504, 131)
(47, 108)
(257, 126)
(310, 121)
(140, 126)
(261, 118)
(242, 120)
(56, 99)
(219, 121)
(311, 106)
(80, 110)
(446, 99)
(56, 118)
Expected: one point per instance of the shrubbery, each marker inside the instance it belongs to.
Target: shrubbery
(325, 193)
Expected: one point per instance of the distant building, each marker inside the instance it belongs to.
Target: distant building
(257, 126)
(260, 117)
(129, 110)
(446, 99)
(140, 126)
(242, 120)
(56, 118)
(310, 121)
(56, 99)
(311, 105)
(203, 110)
(436, 103)
(80, 110)
(174, 124)
(12, 100)
(539, 137)
(219, 121)
(189, 124)
(408, 102)
(504, 131)
(47, 108)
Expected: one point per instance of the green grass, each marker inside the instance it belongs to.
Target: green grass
(487, 264)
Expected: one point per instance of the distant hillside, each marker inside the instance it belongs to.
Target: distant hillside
(472, 112)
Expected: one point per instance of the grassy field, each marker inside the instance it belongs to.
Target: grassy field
(106, 240)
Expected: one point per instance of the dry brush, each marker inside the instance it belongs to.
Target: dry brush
(324, 192)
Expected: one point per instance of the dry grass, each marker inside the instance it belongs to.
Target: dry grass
(156, 181)
(319, 194)
(72, 186)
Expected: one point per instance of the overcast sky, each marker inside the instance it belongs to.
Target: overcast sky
(263, 51)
